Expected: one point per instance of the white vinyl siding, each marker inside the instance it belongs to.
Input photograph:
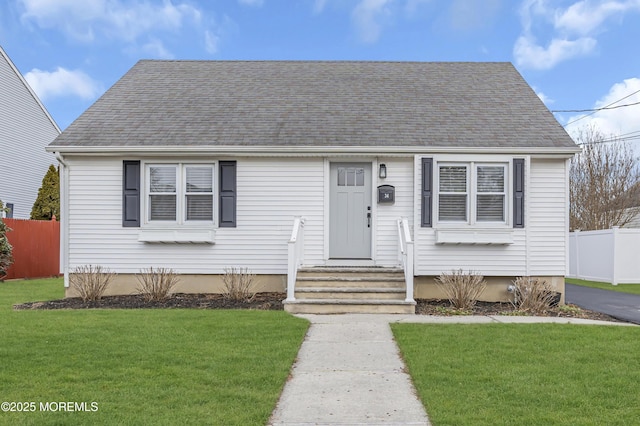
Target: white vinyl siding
(400, 176)
(25, 132)
(270, 193)
(547, 222)
(432, 258)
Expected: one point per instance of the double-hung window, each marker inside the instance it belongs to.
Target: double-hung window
(471, 193)
(179, 193)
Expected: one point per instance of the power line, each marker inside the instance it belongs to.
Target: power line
(604, 107)
(595, 109)
(624, 137)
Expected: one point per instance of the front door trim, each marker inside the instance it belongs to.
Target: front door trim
(370, 182)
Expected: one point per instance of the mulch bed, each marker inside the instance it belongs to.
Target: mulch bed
(273, 301)
(261, 301)
(443, 307)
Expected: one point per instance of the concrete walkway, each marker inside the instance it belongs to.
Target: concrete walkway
(349, 371)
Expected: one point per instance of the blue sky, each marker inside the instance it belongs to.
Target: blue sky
(575, 54)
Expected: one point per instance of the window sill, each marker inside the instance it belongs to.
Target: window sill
(474, 236)
(177, 236)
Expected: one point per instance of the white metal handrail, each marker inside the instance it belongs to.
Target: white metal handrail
(405, 245)
(295, 255)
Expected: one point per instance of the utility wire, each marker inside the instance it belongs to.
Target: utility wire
(595, 109)
(604, 107)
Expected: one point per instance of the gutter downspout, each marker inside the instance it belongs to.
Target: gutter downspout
(64, 222)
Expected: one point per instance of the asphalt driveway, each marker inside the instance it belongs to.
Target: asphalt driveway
(623, 306)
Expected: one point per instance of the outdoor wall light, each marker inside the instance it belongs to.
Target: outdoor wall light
(382, 173)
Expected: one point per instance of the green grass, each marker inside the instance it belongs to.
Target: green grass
(168, 366)
(621, 288)
(516, 374)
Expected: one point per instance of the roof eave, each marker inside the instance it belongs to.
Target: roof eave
(252, 150)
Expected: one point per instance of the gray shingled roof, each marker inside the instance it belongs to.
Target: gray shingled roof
(337, 104)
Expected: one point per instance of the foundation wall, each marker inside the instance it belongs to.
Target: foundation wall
(127, 284)
(425, 287)
(496, 290)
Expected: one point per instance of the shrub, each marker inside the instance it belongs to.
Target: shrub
(533, 295)
(462, 289)
(238, 284)
(47, 203)
(6, 258)
(90, 282)
(156, 284)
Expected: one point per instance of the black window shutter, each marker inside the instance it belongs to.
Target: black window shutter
(227, 202)
(427, 192)
(131, 193)
(518, 192)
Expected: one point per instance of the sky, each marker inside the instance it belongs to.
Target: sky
(578, 56)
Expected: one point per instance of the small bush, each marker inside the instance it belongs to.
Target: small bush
(238, 284)
(462, 289)
(533, 295)
(90, 282)
(155, 285)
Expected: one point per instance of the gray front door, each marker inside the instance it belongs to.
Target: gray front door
(350, 211)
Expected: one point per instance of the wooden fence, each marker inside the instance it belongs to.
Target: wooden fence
(36, 248)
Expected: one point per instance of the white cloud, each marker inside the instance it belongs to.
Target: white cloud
(211, 42)
(116, 19)
(544, 98)
(531, 55)
(62, 82)
(572, 30)
(155, 49)
(587, 16)
(619, 121)
(368, 17)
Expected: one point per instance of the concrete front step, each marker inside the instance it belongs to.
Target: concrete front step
(341, 290)
(350, 281)
(349, 306)
(360, 272)
(370, 293)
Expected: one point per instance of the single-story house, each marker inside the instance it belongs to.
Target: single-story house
(328, 180)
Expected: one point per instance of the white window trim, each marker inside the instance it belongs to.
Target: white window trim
(179, 230)
(472, 193)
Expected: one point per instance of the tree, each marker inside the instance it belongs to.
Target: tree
(601, 178)
(6, 259)
(48, 202)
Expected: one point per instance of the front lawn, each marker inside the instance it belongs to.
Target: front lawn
(153, 366)
(621, 288)
(517, 374)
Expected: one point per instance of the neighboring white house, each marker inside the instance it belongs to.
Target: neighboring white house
(203, 165)
(26, 128)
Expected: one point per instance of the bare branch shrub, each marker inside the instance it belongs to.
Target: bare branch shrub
(90, 282)
(533, 295)
(601, 179)
(155, 285)
(6, 258)
(238, 284)
(462, 289)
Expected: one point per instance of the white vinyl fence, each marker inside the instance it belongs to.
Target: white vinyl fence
(611, 255)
